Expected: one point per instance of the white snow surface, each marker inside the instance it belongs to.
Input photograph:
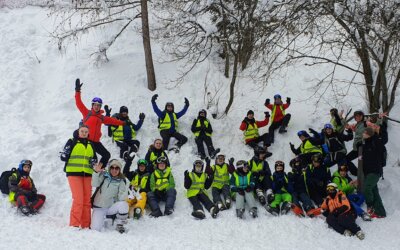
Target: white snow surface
(39, 116)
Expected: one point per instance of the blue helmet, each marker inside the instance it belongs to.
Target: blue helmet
(277, 96)
(328, 125)
(24, 162)
(303, 133)
(97, 100)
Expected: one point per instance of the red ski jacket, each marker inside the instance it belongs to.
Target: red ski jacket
(278, 112)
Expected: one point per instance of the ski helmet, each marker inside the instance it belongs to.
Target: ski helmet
(280, 164)
(295, 162)
(277, 96)
(303, 133)
(328, 125)
(203, 111)
(162, 159)
(317, 157)
(359, 112)
(97, 100)
(24, 162)
(331, 186)
(142, 162)
(198, 163)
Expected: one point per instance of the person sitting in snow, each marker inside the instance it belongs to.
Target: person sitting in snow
(23, 190)
(168, 122)
(125, 136)
(339, 216)
(242, 182)
(220, 185)
(317, 176)
(348, 187)
(250, 126)
(308, 147)
(140, 186)
(109, 196)
(337, 120)
(282, 189)
(278, 117)
(196, 183)
(202, 130)
(162, 186)
(155, 151)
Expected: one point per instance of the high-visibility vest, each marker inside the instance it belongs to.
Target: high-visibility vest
(274, 111)
(242, 181)
(197, 184)
(221, 176)
(162, 179)
(140, 181)
(308, 147)
(79, 159)
(198, 125)
(166, 122)
(256, 167)
(118, 133)
(251, 131)
(153, 157)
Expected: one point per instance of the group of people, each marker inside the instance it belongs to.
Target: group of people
(308, 189)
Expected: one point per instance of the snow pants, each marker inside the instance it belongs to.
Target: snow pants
(247, 197)
(280, 198)
(349, 158)
(216, 194)
(276, 124)
(200, 146)
(372, 196)
(34, 201)
(81, 189)
(263, 138)
(168, 196)
(119, 209)
(166, 135)
(199, 199)
(305, 200)
(101, 150)
(343, 222)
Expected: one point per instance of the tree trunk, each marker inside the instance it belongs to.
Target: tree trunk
(227, 63)
(151, 77)
(232, 85)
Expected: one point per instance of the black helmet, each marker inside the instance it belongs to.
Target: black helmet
(258, 151)
(203, 111)
(317, 157)
(280, 164)
(295, 162)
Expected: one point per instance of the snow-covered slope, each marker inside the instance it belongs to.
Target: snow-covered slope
(39, 115)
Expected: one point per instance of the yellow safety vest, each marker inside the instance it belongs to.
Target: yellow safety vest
(251, 131)
(166, 122)
(142, 182)
(118, 134)
(221, 176)
(162, 179)
(153, 157)
(308, 147)
(274, 111)
(78, 161)
(198, 125)
(197, 184)
(255, 168)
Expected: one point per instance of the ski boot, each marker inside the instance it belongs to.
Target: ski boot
(361, 235)
(313, 212)
(120, 228)
(297, 210)
(214, 212)
(272, 210)
(282, 130)
(214, 153)
(137, 213)
(261, 197)
(157, 213)
(253, 212)
(221, 206)
(285, 208)
(240, 213)
(168, 211)
(347, 233)
(25, 210)
(199, 214)
(366, 217)
(228, 203)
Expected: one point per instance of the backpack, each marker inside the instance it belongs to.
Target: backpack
(83, 121)
(4, 180)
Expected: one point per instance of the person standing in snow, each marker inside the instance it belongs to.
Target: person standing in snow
(168, 122)
(155, 151)
(23, 190)
(202, 130)
(358, 130)
(279, 119)
(125, 136)
(196, 183)
(94, 118)
(109, 196)
(250, 126)
(79, 157)
(339, 216)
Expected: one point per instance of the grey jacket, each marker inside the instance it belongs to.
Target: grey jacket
(112, 190)
(358, 134)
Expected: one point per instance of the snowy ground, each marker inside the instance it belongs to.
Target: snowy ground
(39, 115)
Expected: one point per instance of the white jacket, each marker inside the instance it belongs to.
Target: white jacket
(113, 189)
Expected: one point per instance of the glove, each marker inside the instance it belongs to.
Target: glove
(231, 160)
(208, 161)
(291, 146)
(142, 116)
(325, 213)
(78, 85)
(186, 102)
(248, 189)
(108, 110)
(288, 100)
(312, 131)
(186, 173)
(154, 98)
(267, 115)
(267, 102)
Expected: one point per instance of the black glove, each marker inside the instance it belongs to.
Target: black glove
(78, 85)
(142, 116)
(335, 213)
(186, 102)
(154, 98)
(108, 110)
(291, 146)
(267, 102)
(325, 213)
(208, 161)
(288, 100)
(267, 115)
(231, 160)
(186, 173)
(312, 131)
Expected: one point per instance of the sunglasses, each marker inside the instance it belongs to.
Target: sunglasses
(114, 167)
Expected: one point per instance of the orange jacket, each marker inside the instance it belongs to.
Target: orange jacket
(339, 204)
(95, 120)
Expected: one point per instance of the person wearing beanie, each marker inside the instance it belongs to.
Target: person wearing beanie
(196, 183)
(109, 196)
(250, 127)
(317, 177)
(23, 191)
(282, 190)
(168, 123)
(125, 136)
(162, 186)
(279, 119)
(358, 130)
(308, 147)
(202, 130)
(339, 216)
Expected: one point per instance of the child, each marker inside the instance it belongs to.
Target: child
(23, 190)
(318, 176)
(308, 147)
(140, 186)
(196, 183)
(242, 182)
(202, 130)
(278, 117)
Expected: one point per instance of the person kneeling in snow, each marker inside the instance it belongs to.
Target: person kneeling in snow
(109, 196)
(336, 208)
(140, 186)
(196, 183)
(242, 182)
(23, 190)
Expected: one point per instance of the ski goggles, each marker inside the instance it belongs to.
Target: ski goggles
(26, 162)
(220, 157)
(198, 163)
(142, 162)
(279, 164)
(330, 189)
(162, 159)
(241, 164)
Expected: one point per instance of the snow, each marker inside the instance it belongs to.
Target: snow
(39, 115)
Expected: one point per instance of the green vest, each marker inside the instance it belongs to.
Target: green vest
(241, 184)
(162, 179)
(140, 182)
(308, 147)
(197, 184)
(118, 133)
(255, 168)
(79, 159)
(274, 112)
(342, 183)
(251, 131)
(198, 125)
(166, 122)
(221, 176)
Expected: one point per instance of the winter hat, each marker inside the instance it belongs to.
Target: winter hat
(115, 162)
(250, 112)
(369, 131)
(123, 109)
